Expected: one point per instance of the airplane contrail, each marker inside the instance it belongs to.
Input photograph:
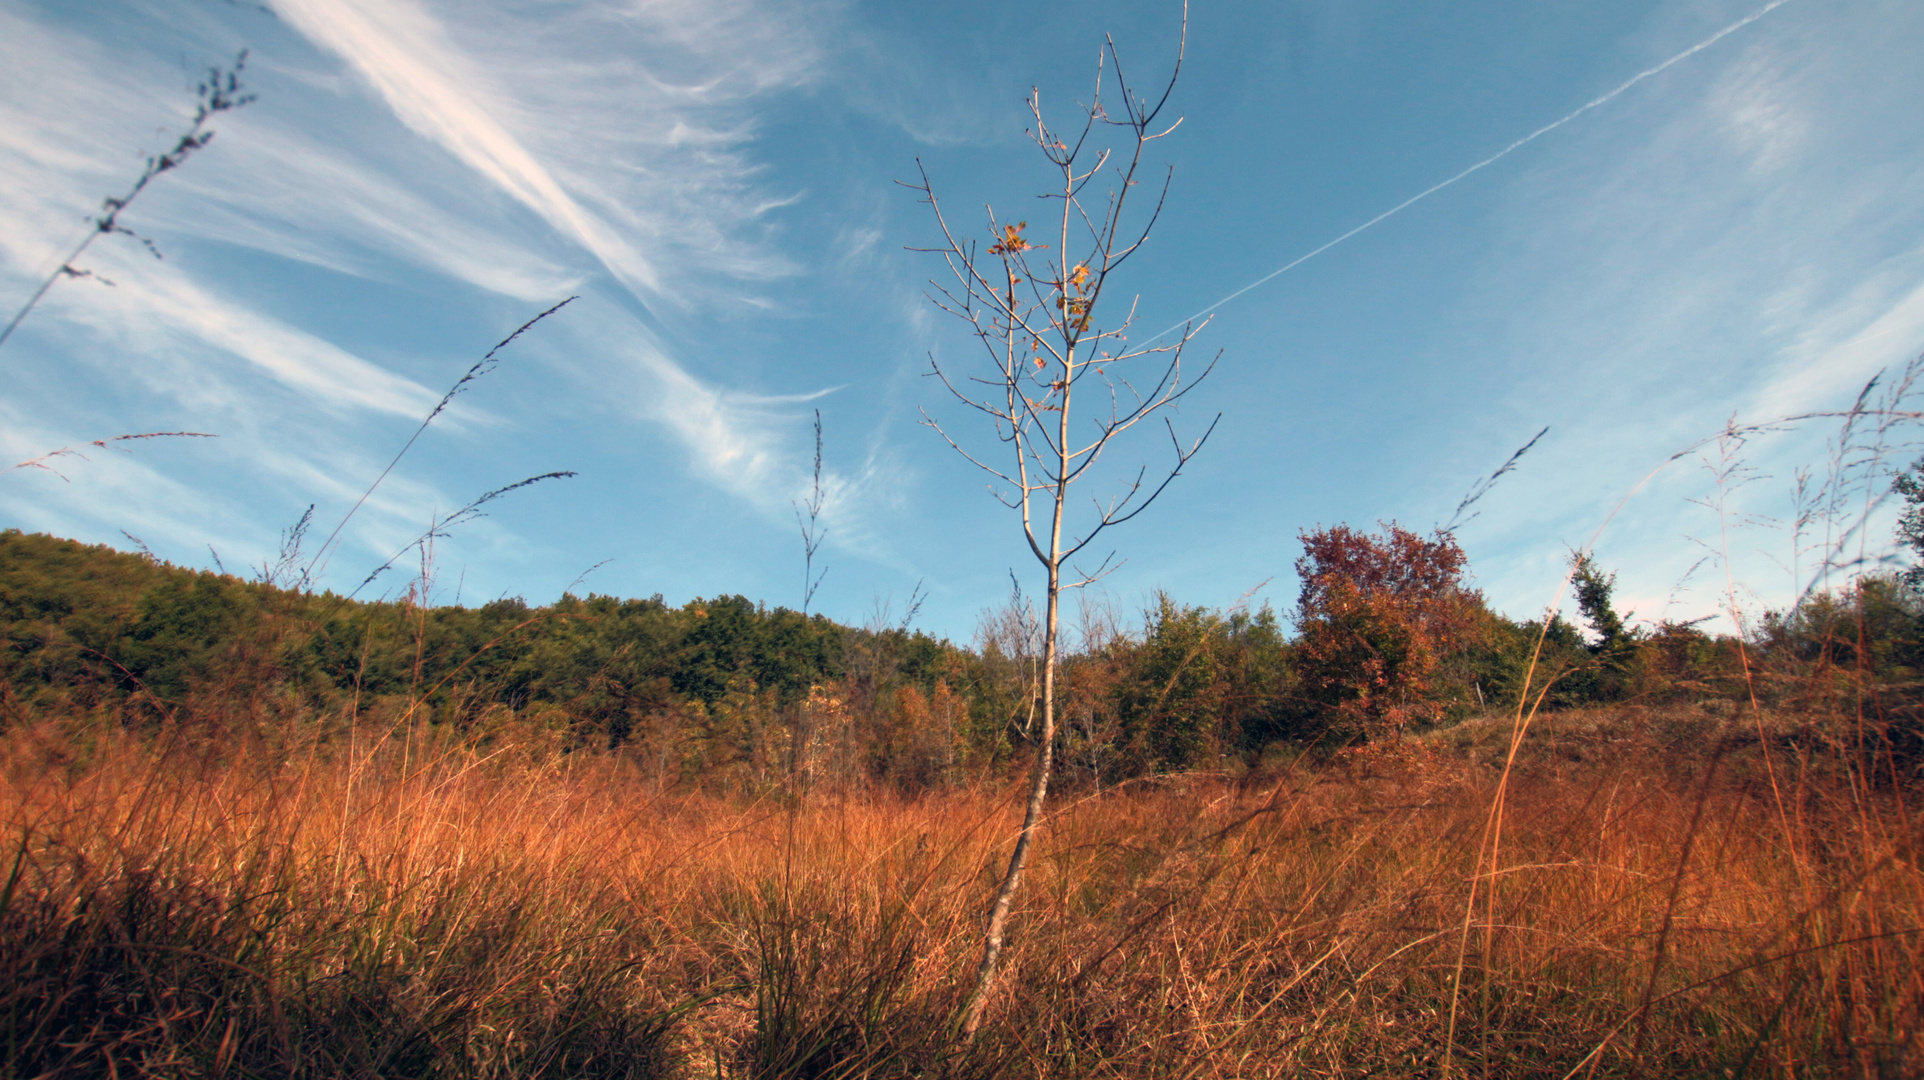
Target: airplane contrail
(1604, 99)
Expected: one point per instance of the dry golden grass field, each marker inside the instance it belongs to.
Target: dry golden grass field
(1651, 893)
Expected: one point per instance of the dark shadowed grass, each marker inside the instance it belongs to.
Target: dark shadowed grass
(230, 908)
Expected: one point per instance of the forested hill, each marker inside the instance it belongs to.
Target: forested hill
(93, 626)
(734, 693)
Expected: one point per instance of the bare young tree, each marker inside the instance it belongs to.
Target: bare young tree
(1040, 317)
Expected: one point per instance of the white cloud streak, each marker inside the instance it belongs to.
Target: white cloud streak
(404, 53)
(641, 179)
(1742, 248)
(288, 193)
(1594, 103)
(152, 312)
(624, 131)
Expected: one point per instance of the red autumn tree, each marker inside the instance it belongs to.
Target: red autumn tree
(1377, 615)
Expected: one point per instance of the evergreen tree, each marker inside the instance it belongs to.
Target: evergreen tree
(1614, 650)
(1910, 525)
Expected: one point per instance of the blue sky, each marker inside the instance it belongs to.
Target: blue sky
(1740, 234)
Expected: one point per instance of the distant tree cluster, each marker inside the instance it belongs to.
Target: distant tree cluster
(1388, 638)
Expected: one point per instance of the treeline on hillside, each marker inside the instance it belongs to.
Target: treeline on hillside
(727, 692)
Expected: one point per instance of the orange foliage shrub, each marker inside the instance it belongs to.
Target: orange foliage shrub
(1376, 616)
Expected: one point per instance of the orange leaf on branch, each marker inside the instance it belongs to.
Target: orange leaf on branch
(1012, 241)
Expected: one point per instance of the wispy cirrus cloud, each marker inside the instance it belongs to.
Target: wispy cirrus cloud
(624, 128)
(753, 446)
(578, 148)
(434, 88)
(153, 313)
(628, 130)
(62, 146)
(280, 179)
(1706, 254)
(289, 193)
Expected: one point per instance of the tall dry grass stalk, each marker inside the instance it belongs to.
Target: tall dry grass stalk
(193, 908)
(219, 92)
